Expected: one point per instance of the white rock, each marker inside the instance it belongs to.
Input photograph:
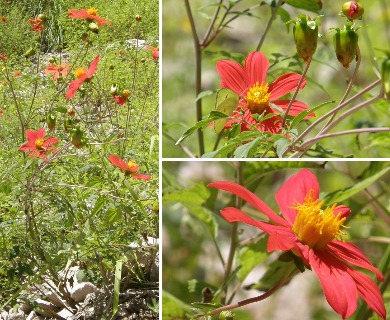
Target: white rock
(18, 315)
(65, 313)
(45, 308)
(33, 316)
(4, 315)
(80, 291)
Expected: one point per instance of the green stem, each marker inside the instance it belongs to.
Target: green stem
(198, 74)
(270, 21)
(296, 92)
(233, 240)
(358, 61)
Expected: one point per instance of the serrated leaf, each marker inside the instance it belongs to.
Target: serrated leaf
(281, 146)
(341, 195)
(247, 150)
(214, 115)
(250, 257)
(226, 101)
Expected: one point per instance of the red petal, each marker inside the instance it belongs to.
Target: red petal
(50, 141)
(118, 162)
(140, 176)
(120, 100)
(281, 238)
(343, 210)
(233, 76)
(26, 147)
(369, 292)
(256, 67)
(155, 55)
(100, 20)
(93, 66)
(40, 134)
(75, 14)
(31, 136)
(352, 254)
(339, 287)
(296, 108)
(284, 84)
(74, 86)
(272, 124)
(249, 197)
(294, 191)
(51, 69)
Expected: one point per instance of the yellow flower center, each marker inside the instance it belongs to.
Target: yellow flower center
(126, 93)
(132, 164)
(257, 98)
(314, 226)
(38, 143)
(92, 11)
(79, 72)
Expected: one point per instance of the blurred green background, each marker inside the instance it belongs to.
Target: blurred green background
(327, 79)
(189, 250)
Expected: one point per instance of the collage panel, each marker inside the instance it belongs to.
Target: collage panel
(267, 79)
(275, 240)
(79, 159)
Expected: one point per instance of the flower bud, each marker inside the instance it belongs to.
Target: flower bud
(42, 17)
(68, 124)
(70, 112)
(345, 44)
(143, 60)
(52, 60)
(77, 137)
(30, 52)
(138, 18)
(385, 72)
(353, 10)
(114, 89)
(51, 121)
(93, 27)
(126, 93)
(305, 33)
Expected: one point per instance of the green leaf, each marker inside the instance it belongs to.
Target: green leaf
(281, 146)
(297, 119)
(250, 257)
(61, 109)
(247, 150)
(214, 115)
(117, 284)
(309, 5)
(204, 94)
(226, 101)
(173, 308)
(341, 195)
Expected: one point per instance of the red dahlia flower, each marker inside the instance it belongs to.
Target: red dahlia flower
(58, 70)
(4, 19)
(121, 100)
(81, 74)
(36, 24)
(256, 95)
(90, 14)
(155, 54)
(37, 145)
(129, 168)
(3, 57)
(310, 232)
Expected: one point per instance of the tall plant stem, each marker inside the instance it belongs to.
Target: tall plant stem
(358, 60)
(315, 123)
(198, 74)
(233, 239)
(265, 295)
(309, 143)
(211, 25)
(296, 92)
(270, 21)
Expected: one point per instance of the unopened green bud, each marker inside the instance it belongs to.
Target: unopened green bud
(93, 27)
(305, 33)
(345, 44)
(68, 124)
(353, 10)
(77, 137)
(30, 52)
(114, 89)
(51, 121)
(386, 77)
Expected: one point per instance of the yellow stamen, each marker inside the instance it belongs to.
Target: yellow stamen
(257, 98)
(314, 226)
(38, 143)
(132, 164)
(92, 11)
(126, 93)
(79, 72)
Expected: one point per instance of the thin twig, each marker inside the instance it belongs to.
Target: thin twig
(272, 18)
(296, 92)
